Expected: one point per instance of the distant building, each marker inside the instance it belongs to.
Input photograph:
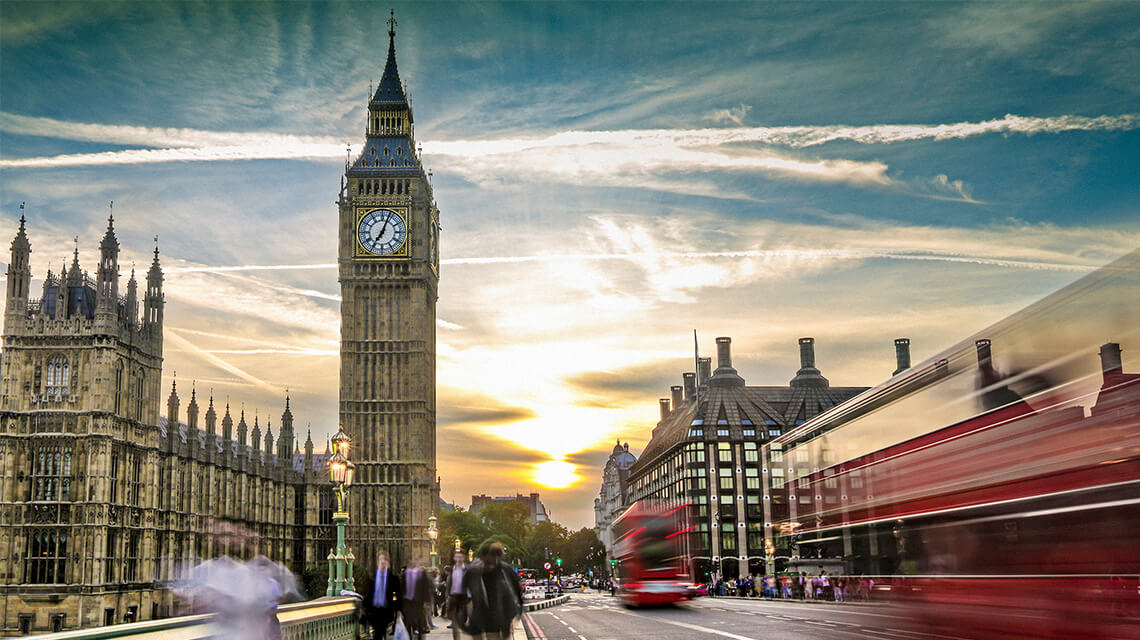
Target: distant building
(706, 450)
(614, 494)
(533, 504)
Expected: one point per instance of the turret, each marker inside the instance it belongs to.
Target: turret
(19, 276)
(192, 408)
(227, 435)
(243, 430)
(61, 297)
(308, 468)
(107, 276)
(172, 415)
(132, 308)
(211, 430)
(256, 452)
(153, 302)
(268, 442)
(285, 443)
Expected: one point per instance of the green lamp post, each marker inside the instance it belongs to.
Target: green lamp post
(341, 471)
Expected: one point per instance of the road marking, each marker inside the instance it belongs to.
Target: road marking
(535, 630)
(581, 637)
(563, 622)
(691, 627)
(572, 629)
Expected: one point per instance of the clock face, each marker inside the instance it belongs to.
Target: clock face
(382, 232)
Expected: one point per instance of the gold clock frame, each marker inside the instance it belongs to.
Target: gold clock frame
(403, 253)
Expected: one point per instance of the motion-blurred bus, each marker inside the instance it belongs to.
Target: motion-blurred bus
(994, 489)
(651, 547)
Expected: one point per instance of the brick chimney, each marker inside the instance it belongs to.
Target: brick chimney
(808, 375)
(678, 395)
(664, 402)
(725, 375)
(690, 379)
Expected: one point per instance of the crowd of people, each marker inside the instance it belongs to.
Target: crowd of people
(799, 586)
(481, 599)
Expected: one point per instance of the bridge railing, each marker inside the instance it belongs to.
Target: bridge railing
(320, 619)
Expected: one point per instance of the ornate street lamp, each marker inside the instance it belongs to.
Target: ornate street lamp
(458, 544)
(341, 472)
(433, 533)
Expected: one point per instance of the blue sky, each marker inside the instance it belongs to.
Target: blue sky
(610, 176)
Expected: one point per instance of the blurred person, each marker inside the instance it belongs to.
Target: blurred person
(457, 599)
(439, 594)
(244, 596)
(417, 595)
(382, 598)
(496, 595)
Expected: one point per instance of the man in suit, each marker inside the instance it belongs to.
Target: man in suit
(496, 594)
(456, 608)
(382, 598)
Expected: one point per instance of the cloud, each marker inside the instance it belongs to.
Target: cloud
(663, 159)
(462, 408)
(733, 115)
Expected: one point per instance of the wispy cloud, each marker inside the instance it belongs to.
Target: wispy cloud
(642, 158)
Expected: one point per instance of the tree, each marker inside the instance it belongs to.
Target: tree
(584, 551)
(508, 517)
(467, 526)
(542, 537)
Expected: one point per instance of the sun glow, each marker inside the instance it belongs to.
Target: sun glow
(556, 474)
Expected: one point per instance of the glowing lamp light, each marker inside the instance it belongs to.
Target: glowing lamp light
(341, 442)
(338, 468)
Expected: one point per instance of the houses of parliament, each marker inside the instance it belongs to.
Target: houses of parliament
(105, 502)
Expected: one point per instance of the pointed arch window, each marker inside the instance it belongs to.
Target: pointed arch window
(58, 376)
(51, 473)
(46, 558)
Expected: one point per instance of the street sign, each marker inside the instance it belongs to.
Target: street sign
(546, 565)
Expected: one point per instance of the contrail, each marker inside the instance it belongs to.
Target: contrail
(218, 362)
(839, 254)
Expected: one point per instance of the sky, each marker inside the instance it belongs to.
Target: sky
(610, 176)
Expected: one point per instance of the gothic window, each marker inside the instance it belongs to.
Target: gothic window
(46, 558)
(118, 386)
(113, 496)
(385, 150)
(58, 376)
(109, 554)
(51, 473)
(132, 559)
(136, 479)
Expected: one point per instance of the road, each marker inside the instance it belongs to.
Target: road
(591, 616)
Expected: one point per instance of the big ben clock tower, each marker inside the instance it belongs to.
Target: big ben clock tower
(389, 276)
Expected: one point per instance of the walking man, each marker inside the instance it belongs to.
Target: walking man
(382, 598)
(496, 595)
(456, 608)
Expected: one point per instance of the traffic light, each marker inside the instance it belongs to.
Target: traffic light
(558, 561)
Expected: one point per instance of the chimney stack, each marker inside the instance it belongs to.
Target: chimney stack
(808, 375)
(807, 353)
(724, 353)
(983, 347)
(690, 379)
(678, 395)
(664, 407)
(704, 371)
(902, 355)
(1110, 362)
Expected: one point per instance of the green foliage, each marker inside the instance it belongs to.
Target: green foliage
(467, 526)
(527, 545)
(509, 517)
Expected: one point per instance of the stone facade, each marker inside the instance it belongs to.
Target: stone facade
(103, 502)
(706, 450)
(613, 497)
(536, 510)
(389, 274)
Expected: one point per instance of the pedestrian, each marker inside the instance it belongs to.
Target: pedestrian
(496, 595)
(456, 609)
(838, 585)
(381, 598)
(417, 595)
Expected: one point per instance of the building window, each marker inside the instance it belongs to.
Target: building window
(751, 478)
(109, 558)
(696, 454)
(132, 563)
(58, 377)
(722, 433)
(749, 433)
(773, 432)
(751, 453)
(728, 540)
(697, 422)
(136, 479)
(724, 451)
(108, 617)
(26, 620)
(51, 473)
(57, 622)
(113, 496)
(696, 433)
(46, 560)
(746, 422)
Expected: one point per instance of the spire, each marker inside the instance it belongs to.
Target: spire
(390, 89)
(110, 242)
(19, 271)
(20, 242)
(75, 274)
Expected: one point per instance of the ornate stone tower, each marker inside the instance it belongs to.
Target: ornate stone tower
(389, 275)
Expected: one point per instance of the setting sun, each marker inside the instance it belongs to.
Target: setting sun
(556, 474)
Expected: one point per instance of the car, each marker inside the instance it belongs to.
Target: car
(697, 590)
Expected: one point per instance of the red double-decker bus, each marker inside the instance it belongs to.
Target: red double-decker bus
(651, 547)
(993, 491)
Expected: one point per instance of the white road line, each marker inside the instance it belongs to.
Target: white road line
(563, 622)
(581, 637)
(572, 629)
(691, 627)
